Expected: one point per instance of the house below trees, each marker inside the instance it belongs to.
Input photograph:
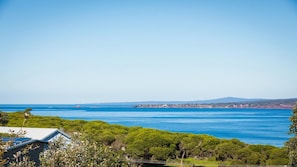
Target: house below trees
(33, 140)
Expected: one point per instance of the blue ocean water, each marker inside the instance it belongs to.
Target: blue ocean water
(254, 126)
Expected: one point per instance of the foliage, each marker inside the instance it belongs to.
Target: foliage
(292, 150)
(3, 118)
(144, 143)
(228, 150)
(2, 149)
(278, 157)
(292, 143)
(21, 158)
(293, 119)
(80, 153)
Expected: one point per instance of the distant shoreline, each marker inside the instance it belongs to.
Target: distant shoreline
(262, 104)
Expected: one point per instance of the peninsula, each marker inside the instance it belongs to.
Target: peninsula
(262, 103)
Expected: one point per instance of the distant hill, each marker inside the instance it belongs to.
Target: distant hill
(211, 101)
(226, 100)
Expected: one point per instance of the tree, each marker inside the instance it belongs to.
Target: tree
(145, 144)
(293, 119)
(228, 150)
(292, 143)
(278, 156)
(3, 118)
(188, 145)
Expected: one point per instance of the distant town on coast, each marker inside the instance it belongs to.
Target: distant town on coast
(228, 103)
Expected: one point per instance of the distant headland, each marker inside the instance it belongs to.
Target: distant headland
(228, 102)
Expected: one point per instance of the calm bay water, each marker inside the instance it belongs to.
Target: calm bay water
(254, 126)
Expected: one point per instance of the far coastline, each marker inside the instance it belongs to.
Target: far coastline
(253, 104)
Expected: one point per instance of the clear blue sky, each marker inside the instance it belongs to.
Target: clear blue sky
(61, 51)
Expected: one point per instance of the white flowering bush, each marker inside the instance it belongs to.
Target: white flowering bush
(22, 159)
(80, 153)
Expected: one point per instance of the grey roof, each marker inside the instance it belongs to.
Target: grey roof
(32, 135)
(44, 134)
(22, 143)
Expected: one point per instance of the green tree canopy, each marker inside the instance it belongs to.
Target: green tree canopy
(3, 118)
(292, 143)
(293, 119)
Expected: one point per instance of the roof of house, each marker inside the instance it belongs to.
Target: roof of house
(19, 142)
(16, 140)
(44, 134)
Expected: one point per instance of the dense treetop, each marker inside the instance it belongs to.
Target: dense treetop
(152, 144)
